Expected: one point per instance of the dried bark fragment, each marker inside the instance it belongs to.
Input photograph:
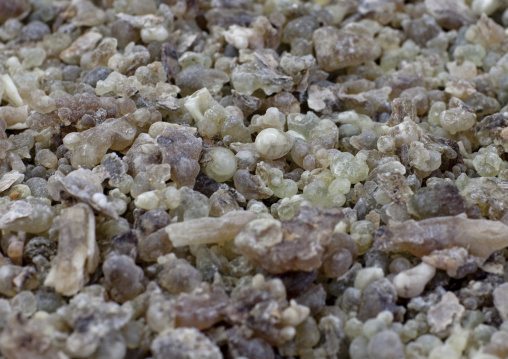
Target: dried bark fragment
(453, 244)
(296, 244)
(480, 237)
(78, 254)
(209, 230)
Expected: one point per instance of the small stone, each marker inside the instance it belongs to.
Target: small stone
(71, 73)
(34, 31)
(98, 74)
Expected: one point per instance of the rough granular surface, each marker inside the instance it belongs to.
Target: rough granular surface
(253, 179)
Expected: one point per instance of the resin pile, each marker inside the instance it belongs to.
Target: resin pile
(251, 179)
